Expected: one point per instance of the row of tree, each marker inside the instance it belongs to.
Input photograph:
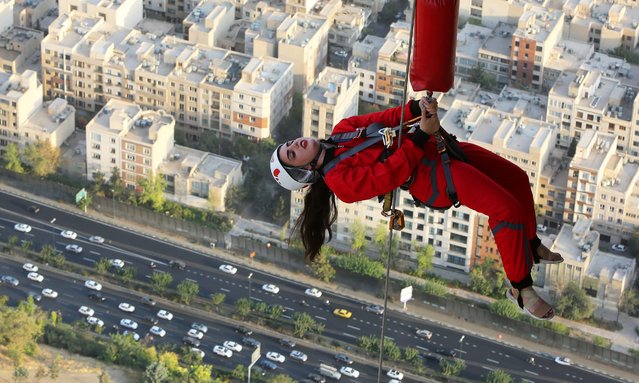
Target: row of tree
(39, 158)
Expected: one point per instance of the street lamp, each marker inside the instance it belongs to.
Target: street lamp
(249, 280)
(53, 233)
(113, 201)
(461, 347)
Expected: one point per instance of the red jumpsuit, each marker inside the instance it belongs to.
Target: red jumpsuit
(487, 184)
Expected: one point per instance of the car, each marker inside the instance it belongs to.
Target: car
(341, 54)
(147, 300)
(431, 356)
(151, 319)
(193, 333)
(342, 313)
(199, 327)
(343, 358)
(377, 309)
(222, 351)
(35, 277)
(243, 330)
(159, 331)
(177, 265)
(93, 285)
(198, 352)
(233, 346)
(96, 239)
(228, 269)
(619, 247)
(35, 296)
(313, 292)
(190, 341)
(68, 234)
(563, 361)
(349, 371)
(73, 248)
(50, 293)
(22, 227)
(298, 355)
(393, 381)
(424, 334)
(95, 321)
(98, 297)
(9, 280)
(252, 342)
(446, 352)
(163, 314)
(30, 267)
(286, 342)
(271, 288)
(134, 335)
(267, 364)
(276, 357)
(116, 263)
(394, 374)
(541, 228)
(33, 209)
(86, 311)
(126, 307)
(129, 323)
(316, 378)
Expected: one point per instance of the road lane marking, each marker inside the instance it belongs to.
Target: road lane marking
(349, 335)
(69, 295)
(225, 290)
(289, 309)
(256, 299)
(88, 259)
(492, 360)
(319, 317)
(287, 316)
(353, 327)
(487, 368)
(461, 351)
(531, 372)
(388, 337)
(422, 348)
(94, 252)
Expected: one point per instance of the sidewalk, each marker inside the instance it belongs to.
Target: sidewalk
(430, 313)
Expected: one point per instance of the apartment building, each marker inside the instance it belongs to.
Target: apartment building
(347, 26)
(492, 12)
(566, 56)
(20, 49)
(6, 14)
(134, 141)
(299, 6)
(469, 41)
(25, 118)
(123, 13)
(363, 62)
(334, 96)
(262, 33)
(209, 22)
(31, 13)
(375, 6)
(605, 277)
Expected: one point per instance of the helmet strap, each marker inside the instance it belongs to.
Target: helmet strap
(323, 147)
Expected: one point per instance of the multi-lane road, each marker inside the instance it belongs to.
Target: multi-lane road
(137, 250)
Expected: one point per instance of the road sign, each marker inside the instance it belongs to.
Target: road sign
(406, 294)
(80, 195)
(255, 356)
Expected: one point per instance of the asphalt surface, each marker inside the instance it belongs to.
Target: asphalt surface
(138, 251)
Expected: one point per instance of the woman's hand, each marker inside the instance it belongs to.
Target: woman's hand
(429, 123)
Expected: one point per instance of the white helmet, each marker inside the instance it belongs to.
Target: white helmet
(289, 177)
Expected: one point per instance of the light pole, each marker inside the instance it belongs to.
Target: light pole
(113, 201)
(461, 347)
(249, 280)
(53, 233)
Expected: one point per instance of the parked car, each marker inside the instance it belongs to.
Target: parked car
(619, 247)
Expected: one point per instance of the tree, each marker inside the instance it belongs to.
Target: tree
(630, 303)
(321, 267)
(58, 260)
(485, 80)
(26, 246)
(242, 307)
(42, 158)
(128, 273)
(217, 299)
(304, 323)
(452, 367)
(381, 239)
(187, 289)
(20, 373)
(574, 304)
(625, 53)
(85, 203)
(12, 242)
(54, 368)
(102, 265)
(199, 373)
(358, 237)
(152, 193)
(424, 260)
(411, 355)
(505, 308)
(47, 253)
(12, 158)
(498, 376)
(160, 281)
(488, 278)
(117, 185)
(239, 372)
(281, 378)
(156, 372)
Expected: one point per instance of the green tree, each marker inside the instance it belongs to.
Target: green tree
(54, 368)
(321, 267)
(488, 278)
(98, 184)
(424, 260)
(160, 281)
(360, 264)
(281, 378)
(452, 367)
(58, 260)
(485, 80)
(275, 312)
(156, 372)
(152, 193)
(117, 184)
(26, 246)
(411, 355)
(381, 239)
(498, 376)
(217, 299)
(358, 237)
(12, 158)
(505, 308)
(242, 307)
(239, 372)
(630, 303)
(47, 253)
(42, 158)
(625, 53)
(102, 266)
(303, 323)
(20, 373)
(128, 273)
(28, 318)
(574, 304)
(187, 289)
(12, 242)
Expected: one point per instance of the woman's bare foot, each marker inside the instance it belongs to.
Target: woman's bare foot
(531, 303)
(548, 257)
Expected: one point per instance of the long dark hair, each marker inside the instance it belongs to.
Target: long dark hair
(317, 217)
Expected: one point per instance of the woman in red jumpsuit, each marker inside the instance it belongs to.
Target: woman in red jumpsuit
(486, 183)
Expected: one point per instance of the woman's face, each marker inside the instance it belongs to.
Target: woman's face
(299, 152)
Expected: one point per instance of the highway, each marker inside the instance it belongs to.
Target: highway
(138, 251)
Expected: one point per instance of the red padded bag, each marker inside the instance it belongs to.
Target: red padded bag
(435, 40)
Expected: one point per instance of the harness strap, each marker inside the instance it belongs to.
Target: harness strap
(370, 130)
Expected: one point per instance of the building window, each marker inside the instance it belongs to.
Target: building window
(130, 157)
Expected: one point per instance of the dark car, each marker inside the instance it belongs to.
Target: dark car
(431, 356)
(148, 301)
(191, 341)
(151, 319)
(33, 209)
(287, 343)
(36, 296)
(248, 341)
(98, 297)
(177, 265)
(377, 309)
(200, 327)
(267, 364)
(446, 352)
(9, 280)
(316, 378)
(243, 330)
(342, 358)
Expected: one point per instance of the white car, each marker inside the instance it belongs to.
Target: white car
(619, 247)
(349, 371)
(96, 239)
(128, 323)
(49, 293)
(222, 351)
(127, 307)
(95, 321)
(228, 269)
(35, 277)
(424, 334)
(74, 248)
(155, 330)
(198, 352)
(30, 267)
(542, 228)
(233, 346)
(271, 288)
(163, 314)
(298, 355)
(23, 227)
(193, 333)
(313, 292)
(275, 357)
(117, 263)
(134, 334)
(563, 361)
(86, 311)
(68, 234)
(93, 285)
(395, 374)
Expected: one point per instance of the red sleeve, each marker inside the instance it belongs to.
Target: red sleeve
(388, 117)
(359, 178)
